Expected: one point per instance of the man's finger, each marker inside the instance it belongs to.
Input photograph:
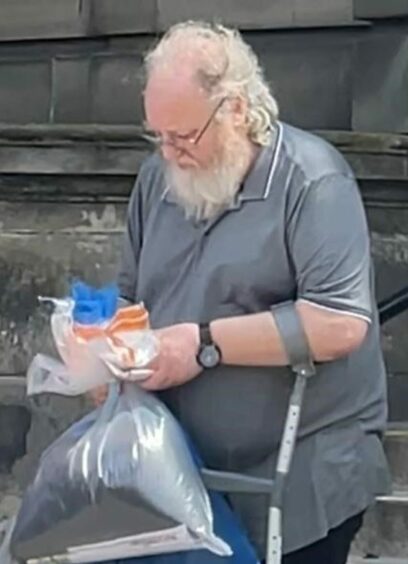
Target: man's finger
(155, 382)
(98, 395)
(134, 374)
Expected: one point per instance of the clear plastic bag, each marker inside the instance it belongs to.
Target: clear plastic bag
(121, 482)
(93, 354)
(132, 451)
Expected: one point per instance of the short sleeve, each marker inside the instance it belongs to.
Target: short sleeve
(329, 245)
(131, 246)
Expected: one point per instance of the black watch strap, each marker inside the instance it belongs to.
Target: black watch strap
(205, 335)
(209, 354)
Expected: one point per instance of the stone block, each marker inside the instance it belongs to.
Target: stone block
(40, 257)
(51, 415)
(116, 89)
(384, 532)
(397, 397)
(389, 243)
(27, 19)
(15, 422)
(310, 74)
(373, 9)
(123, 16)
(25, 91)
(71, 90)
(70, 159)
(380, 101)
(258, 14)
(391, 265)
(303, 67)
(323, 12)
(396, 448)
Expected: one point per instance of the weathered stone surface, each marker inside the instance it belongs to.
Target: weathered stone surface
(40, 259)
(10, 502)
(380, 100)
(396, 448)
(386, 524)
(323, 72)
(314, 89)
(384, 532)
(13, 391)
(27, 19)
(391, 261)
(14, 424)
(51, 415)
(27, 427)
(68, 160)
(259, 14)
(47, 187)
(71, 90)
(304, 66)
(382, 560)
(123, 16)
(116, 89)
(24, 19)
(25, 91)
(315, 12)
(397, 395)
(380, 9)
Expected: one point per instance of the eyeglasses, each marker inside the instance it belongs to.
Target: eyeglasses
(175, 139)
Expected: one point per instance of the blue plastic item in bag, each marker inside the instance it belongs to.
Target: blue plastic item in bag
(93, 305)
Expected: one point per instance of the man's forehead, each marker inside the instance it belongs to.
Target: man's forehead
(174, 95)
(174, 80)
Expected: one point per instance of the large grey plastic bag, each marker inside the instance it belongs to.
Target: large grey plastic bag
(133, 451)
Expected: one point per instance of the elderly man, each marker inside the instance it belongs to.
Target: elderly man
(234, 213)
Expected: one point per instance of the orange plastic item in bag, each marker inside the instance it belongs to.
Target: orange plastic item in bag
(126, 320)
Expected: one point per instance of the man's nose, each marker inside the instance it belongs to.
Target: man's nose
(170, 152)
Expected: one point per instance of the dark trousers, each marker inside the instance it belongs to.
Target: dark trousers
(333, 549)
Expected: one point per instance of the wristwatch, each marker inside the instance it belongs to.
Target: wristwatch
(209, 354)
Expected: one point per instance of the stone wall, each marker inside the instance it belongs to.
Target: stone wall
(317, 59)
(64, 183)
(28, 19)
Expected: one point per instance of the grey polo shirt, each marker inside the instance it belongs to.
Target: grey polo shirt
(296, 231)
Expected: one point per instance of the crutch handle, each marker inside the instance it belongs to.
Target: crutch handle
(231, 482)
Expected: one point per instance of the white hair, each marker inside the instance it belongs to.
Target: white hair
(226, 66)
(204, 192)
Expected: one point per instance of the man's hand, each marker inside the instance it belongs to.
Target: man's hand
(98, 396)
(176, 362)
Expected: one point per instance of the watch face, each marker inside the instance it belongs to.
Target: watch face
(209, 356)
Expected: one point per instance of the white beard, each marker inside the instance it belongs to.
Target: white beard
(204, 193)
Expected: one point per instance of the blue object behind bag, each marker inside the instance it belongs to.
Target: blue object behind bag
(103, 479)
(93, 305)
(226, 526)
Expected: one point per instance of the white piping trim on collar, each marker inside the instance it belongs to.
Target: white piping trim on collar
(274, 164)
(165, 192)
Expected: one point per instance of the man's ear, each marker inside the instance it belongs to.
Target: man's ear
(239, 110)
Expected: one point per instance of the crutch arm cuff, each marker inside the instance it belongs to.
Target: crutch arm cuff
(292, 333)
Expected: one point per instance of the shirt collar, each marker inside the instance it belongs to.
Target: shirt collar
(258, 183)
